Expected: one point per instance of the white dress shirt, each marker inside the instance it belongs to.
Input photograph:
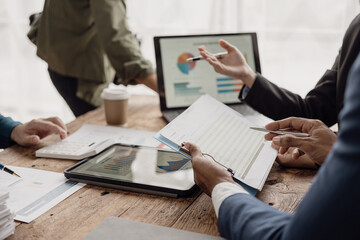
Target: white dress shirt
(222, 191)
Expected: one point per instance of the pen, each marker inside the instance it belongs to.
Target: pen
(281, 132)
(217, 55)
(2, 167)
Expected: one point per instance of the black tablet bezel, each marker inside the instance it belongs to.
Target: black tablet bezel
(125, 185)
(159, 71)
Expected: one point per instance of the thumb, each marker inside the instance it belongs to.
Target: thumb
(30, 140)
(194, 150)
(226, 45)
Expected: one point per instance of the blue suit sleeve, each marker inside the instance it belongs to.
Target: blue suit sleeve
(6, 127)
(330, 209)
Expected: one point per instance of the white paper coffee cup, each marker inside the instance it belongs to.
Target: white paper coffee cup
(116, 105)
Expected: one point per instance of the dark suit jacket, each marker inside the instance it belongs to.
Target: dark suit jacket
(324, 102)
(6, 127)
(331, 208)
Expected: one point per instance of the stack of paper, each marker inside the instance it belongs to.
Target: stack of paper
(7, 225)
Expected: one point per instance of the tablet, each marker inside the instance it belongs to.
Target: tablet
(139, 169)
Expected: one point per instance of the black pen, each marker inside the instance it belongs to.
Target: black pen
(5, 169)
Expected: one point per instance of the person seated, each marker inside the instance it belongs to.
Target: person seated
(30, 133)
(324, 102)
(330, 208)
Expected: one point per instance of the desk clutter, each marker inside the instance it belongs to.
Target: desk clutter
(7, 225)
(48, 189)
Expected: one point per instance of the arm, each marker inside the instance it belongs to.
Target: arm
(119, 43)
(6, 127)
(320, 103)
(30, 133)
(330, 209)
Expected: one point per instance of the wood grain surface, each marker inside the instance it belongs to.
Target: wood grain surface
(77, 215)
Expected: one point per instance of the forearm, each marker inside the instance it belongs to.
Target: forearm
(242, 216)
(6, 127)
(278, 103)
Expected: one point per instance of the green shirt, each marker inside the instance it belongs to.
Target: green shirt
(90, 40)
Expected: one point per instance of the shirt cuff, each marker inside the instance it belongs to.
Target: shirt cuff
(245, 92)
(222, 191)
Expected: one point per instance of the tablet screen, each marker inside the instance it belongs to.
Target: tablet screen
(140, 165)
(184, 82)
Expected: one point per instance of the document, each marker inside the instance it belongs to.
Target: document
(97, 133)
(7, 226)
(226, 135)
(36, 191)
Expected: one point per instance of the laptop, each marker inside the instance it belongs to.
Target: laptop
(181, 83)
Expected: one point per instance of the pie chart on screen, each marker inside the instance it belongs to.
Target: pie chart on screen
(185, 67)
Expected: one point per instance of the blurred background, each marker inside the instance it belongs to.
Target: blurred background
(298, 40)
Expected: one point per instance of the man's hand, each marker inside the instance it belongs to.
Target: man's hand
(233, 64)
(207, 173)
(149, 81)
(30, 133)
(316, 147)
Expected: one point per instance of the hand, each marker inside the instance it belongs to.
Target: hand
(316, 147)
(295, 158)
(149, 81)
(30, 133)
(233, 64)
(207, 173)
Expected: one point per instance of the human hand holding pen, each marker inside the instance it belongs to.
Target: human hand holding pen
(233, 64)
(316, 146)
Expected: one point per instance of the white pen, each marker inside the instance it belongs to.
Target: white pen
(217, 55)
(281, 132)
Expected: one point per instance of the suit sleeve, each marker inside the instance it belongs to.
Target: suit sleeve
(330, 209)
(6, 127)
(117, 40)
(319, 103)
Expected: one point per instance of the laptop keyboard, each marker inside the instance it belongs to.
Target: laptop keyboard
(171, 115)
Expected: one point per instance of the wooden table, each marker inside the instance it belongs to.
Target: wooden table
(76, 216)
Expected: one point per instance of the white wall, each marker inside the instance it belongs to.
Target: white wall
(298, 41)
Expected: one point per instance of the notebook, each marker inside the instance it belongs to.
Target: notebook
(180, 83)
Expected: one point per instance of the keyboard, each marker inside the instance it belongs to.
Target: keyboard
(74, 150)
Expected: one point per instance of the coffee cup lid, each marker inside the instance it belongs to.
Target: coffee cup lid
(114, 94)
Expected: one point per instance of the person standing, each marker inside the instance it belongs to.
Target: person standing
(85, 44)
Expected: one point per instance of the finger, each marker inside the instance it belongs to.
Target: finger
(202, 48)
(193, 149)
(283, 150)
(295, 154)
(30, 140)
(57, 121)
(290, 141)
(300, 124)
(275, 146)
(270, 136)
(45, 128)
(226, 45)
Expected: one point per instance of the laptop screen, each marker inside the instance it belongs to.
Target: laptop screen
(181, 83)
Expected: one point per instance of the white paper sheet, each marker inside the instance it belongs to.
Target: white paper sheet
(36, 191)
(97, 133)
(224, 134)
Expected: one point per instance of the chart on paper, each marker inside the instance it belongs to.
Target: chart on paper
(36, 191)
(225, 134)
